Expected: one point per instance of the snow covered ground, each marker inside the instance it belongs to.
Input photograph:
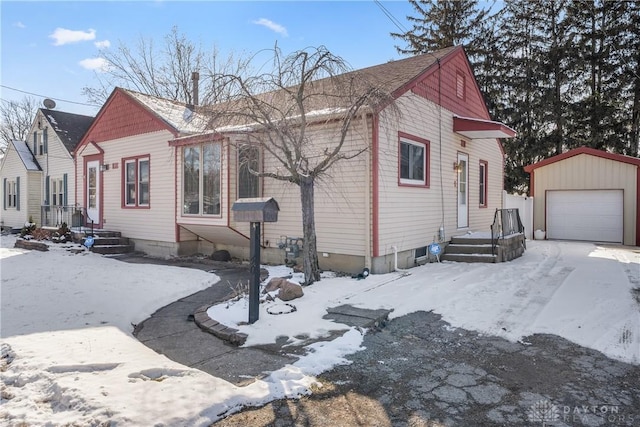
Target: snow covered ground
(68, 321)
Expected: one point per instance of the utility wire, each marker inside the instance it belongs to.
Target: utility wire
(389, 15)
(43, 96)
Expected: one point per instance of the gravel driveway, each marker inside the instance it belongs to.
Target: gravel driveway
(420, 371)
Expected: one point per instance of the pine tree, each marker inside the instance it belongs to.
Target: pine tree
(522, 47)
(597, 116)
(440, 24)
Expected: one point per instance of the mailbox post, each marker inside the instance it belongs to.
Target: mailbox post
(255, 211)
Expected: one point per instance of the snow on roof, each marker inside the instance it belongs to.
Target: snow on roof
(178, 115)
(30, 162)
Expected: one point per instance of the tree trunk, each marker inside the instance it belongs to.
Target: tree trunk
(309, 250)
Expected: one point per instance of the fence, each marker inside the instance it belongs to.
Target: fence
(55, 216)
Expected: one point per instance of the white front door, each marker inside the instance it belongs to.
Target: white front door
(463, 190)
(93, 192)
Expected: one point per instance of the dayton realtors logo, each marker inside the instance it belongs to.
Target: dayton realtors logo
(543, 412)
(547, 413)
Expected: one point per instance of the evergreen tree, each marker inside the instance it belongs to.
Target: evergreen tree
(440, 24)
(629, 58)
(523, 79)
(597, 116)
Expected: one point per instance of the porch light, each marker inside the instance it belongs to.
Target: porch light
(104, 167)
(457, 167)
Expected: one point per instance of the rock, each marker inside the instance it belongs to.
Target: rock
(221, 255)
(274, 284)
(287, 290)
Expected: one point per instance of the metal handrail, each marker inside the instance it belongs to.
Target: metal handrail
(505, 222)
(56, 215)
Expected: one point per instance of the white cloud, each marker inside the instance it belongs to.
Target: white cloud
(95, 64)
(64, 36)
(272, 26)
(19, 25)
(103, 44)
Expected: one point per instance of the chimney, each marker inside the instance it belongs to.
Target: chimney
(195, 76)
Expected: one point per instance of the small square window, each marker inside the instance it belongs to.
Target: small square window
(413, 161)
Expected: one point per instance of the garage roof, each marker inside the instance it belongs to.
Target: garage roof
(584, 150)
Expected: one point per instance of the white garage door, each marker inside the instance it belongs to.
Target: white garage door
(592, 215)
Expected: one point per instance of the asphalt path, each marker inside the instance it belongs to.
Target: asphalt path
(420, 371)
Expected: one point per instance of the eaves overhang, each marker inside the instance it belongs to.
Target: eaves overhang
(481, 129)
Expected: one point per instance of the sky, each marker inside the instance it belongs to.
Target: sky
(76, 362)
(51, 48)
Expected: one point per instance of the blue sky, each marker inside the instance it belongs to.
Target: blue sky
(48, 48)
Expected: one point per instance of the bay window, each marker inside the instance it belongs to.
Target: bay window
(201, 176)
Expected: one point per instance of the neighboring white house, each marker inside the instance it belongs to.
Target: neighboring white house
(166, 178)
(21, 176)
(41, 171)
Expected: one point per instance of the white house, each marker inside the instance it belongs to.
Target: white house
(38, 175)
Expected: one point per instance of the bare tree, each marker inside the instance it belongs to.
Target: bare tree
(275, 109)
(16, 117)
(163, 71)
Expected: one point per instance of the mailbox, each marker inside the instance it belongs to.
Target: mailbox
(259, 209)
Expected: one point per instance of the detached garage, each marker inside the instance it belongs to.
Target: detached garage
(587, 194)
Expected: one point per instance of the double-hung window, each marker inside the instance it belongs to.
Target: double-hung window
(56, 192)
(201, 177)
(413, 161)
(248, 168)
(11, 194)
(136, 182)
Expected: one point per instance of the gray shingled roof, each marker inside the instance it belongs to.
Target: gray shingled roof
(69, 127)
(393, 75)
(333, 93)
(390, 77)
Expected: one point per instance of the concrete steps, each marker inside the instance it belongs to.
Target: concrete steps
(469, 249)
(478, 248)
(108, 242)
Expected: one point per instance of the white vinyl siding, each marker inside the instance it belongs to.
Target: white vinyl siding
(340, 206)
(13, 170)
(55, 161)
(157, 223)
(410, 217)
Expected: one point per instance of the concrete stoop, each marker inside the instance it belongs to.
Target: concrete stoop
(472, 249)
(358, 317)
(106, 242)
(344, 314)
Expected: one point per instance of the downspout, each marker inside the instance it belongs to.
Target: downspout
(367, 196)
(395, 261)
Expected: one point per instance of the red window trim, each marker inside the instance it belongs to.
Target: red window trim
(486, 179)
(123, 182)
(427, 152)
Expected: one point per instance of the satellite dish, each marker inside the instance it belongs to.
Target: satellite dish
(49, 103)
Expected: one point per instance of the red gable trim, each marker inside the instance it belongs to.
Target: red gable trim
(122, 116)
(584, 150)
